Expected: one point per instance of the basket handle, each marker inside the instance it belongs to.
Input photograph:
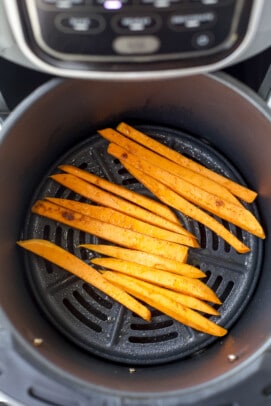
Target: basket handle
(4, 110)
(265, 88)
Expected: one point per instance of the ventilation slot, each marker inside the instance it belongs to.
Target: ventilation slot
(83, 165)
(60, 191)
(58, 235)
(154, 313)
(91, 309)
(227, 247)
(84, 253)
(48, 266)
(239, 233)
(82, 199)
(101, 301)
(227, 291)
(207, 277)
(72, 196)
(217, 282)
(79, 316)
(46, 232)
(130, 181)
(215, 244)
(70, 239)
(152, 326)
(153, 338)
(202, 236)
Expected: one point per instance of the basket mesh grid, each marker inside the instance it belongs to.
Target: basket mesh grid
(103, 327)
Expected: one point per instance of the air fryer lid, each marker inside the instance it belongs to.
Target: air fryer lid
(98, 324)
(60, 115)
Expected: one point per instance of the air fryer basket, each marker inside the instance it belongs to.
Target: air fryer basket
(219, 123)
(96, 323)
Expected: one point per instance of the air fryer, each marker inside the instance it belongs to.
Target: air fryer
(64, 342)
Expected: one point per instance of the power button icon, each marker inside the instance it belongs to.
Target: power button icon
(203, 40)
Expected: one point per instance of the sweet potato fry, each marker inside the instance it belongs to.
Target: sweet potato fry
(228, 211)
(166, 305)
(137, 198)
(191, 176)
(144, 258)
(117, 218)
(107, 199)
(76, 266)
(182, 284)
(185, 300)
(171, 198)
(110, 232)
(238, 190)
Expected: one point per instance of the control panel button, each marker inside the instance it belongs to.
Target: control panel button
(136, 45)
(112, 4)
(65, 3)
(143, 23)
(80, 24)
(203, 40)
(160, 3)
(179, 21)
(210, 2)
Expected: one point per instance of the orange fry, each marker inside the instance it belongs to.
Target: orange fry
(107, 199)
(76, 266)
(185, 300)
(238, 190)
(110, 232)
(137, 198)
(182, 284)
(117, 218)
(168, 196)
(192, 177)
(165, 304)
(230, 212)
(144, 258)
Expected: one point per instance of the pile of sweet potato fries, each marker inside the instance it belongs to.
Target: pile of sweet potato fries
(147, 259)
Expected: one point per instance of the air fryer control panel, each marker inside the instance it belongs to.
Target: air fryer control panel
(122, 34)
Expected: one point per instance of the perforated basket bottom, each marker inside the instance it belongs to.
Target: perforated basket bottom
(103, 327)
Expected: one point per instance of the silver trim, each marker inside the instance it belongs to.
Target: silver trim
(3, 106)
(4, 111)
(7, 400)
(15, 23)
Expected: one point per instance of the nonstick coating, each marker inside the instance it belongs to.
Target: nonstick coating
(220, 113)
